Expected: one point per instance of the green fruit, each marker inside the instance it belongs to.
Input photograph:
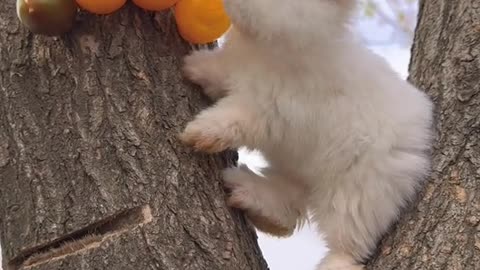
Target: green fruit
(47, 17)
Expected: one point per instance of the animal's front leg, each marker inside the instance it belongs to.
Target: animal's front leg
(228, 124)
(205, 68)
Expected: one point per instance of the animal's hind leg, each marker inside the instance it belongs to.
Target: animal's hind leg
(273, 204)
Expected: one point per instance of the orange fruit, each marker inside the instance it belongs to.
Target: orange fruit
(155, 5)
(201, 21)
(101, 6)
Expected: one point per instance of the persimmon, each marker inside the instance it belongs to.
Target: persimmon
(155, 5)
(47, 17)
(201, 21)
(101, 7)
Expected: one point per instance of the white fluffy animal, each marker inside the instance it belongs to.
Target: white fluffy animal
(345, 137)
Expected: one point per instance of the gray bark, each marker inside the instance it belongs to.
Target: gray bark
(92, 175)
(442, 231)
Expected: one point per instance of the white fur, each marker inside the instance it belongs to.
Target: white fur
(345, 137)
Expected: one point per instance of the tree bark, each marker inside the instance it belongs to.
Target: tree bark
(92, 175)
(442, 231)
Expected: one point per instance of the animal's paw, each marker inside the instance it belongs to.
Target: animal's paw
(242, 193)
(203, 68)
(196, 67)
(205, 137)
(245, 194)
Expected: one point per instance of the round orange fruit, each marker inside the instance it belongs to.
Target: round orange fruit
(101, 6)
(155, 5)
(201, 21)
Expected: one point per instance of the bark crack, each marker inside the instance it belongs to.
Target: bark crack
(87, 238)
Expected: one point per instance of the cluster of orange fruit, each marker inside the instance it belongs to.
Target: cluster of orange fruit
(198, 21)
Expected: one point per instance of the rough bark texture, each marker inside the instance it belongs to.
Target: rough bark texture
(91, 173)
(443, 230)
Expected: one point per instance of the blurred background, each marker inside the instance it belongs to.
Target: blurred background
(387, 28)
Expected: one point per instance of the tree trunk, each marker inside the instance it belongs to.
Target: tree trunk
(92, 175)
(443, 230)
